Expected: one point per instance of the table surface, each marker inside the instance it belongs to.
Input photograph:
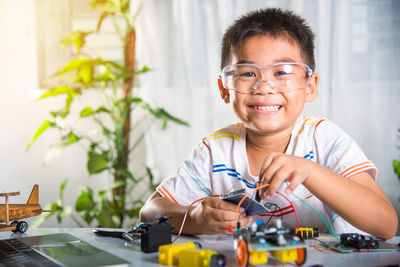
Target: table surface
(221, 243)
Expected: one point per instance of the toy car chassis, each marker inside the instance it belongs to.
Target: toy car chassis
(252, 244)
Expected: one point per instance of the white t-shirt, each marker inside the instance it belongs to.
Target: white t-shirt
(218, 165)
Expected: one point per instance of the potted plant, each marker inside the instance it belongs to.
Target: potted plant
(396, 165)
(110, 148)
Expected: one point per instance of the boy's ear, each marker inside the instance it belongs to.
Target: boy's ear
(223, 91)
(312, 88)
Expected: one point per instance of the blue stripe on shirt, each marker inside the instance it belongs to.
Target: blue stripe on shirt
(233, 173)
(189, 171)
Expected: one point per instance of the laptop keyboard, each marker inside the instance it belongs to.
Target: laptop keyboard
(15, 253)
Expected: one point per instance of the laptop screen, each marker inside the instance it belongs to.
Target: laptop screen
(68, 250)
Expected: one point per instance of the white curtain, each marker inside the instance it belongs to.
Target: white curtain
(357, 55)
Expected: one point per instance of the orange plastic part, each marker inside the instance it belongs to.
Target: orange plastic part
(301, 256)
(242, 253)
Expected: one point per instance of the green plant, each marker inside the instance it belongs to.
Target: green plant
(396, 163)
(118, 131)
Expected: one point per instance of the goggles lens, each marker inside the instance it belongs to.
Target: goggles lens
(283, 77)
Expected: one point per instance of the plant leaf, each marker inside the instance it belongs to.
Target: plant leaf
(396, 167)
(57, 209)
(96, 162)
(58, 147)
(85, 205)
(103, 16)
(124, 172)
(163, 115)
(72, 65)
(110, 6)
(45, 125)
(78, 38)
(87, 111)
(59, 90)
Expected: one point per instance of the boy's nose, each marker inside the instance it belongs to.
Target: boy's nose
(264, 87)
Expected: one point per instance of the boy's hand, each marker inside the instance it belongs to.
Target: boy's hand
(278, 168)
(214, 216)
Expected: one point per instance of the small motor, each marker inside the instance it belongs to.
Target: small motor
(152, 235)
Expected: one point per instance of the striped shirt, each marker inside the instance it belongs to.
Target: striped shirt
(218, 165)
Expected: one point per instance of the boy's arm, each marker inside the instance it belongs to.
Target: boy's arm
(357, 199)
(211, 216)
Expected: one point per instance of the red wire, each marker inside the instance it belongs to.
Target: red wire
(294, 210)
(257, 188)
(184, 217)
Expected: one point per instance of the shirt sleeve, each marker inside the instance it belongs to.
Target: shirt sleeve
(340, 153)
(191, 181)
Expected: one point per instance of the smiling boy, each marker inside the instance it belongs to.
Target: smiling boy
(267, 76)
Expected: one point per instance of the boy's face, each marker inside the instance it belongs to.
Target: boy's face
(265, 110)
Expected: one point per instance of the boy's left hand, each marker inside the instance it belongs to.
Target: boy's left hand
(278, 168)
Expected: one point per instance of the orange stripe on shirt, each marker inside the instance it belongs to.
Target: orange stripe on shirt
(355, 166)
(161, 192)
(169, 195)
(363, 167)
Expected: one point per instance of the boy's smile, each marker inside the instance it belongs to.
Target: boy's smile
(264, 110)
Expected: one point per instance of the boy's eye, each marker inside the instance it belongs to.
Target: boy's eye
(247, 74)
(279, 73)
(280, 70)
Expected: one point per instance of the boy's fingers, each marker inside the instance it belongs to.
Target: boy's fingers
(294, 181)
(229, 206)
(268, 178)
(244, 221)
(277, 179)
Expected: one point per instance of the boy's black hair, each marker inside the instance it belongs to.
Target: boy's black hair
(273, 22)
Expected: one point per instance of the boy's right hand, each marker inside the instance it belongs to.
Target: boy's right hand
(214, 216)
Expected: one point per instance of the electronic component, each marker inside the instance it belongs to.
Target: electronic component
(354, 240)
(307, 232)
(254, 242)
(151, 235)
(251, 206)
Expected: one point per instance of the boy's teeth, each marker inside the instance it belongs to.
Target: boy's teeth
(267, 108)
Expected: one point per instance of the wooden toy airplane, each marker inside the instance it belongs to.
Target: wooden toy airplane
(15, 212)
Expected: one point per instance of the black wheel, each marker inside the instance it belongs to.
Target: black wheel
(14, 223)
(22, 226)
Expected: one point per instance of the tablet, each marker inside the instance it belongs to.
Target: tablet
(251, 206)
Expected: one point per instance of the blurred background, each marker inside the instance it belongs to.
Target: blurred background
(357, 56)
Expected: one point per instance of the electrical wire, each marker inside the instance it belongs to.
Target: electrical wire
(325, 246)
(186, 213)
(272, 215)
(320, 215)
(294, 210)
(243, 198)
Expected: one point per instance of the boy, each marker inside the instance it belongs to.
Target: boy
(267, 74)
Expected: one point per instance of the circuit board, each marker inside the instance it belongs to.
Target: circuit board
(382, 247)
(272, 247)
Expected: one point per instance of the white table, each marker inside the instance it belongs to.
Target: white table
(221, 243)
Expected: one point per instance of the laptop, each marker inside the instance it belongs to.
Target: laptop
(60, 249)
